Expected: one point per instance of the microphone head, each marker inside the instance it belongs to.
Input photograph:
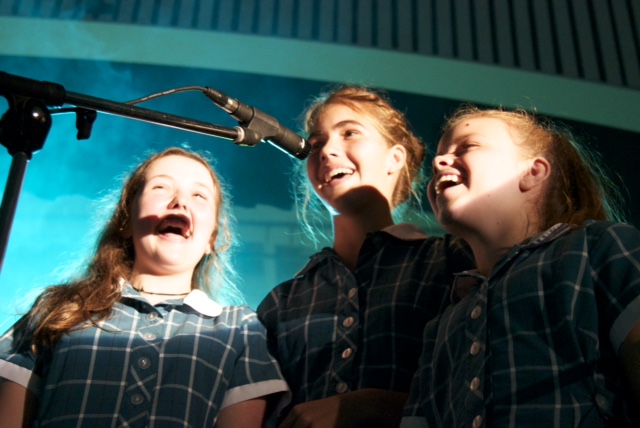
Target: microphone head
(305, 149)
(292, 144)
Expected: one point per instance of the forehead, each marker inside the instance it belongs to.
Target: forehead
(489, 128)
(334, 114)
(180, 167)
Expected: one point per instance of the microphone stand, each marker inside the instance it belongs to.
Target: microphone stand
(25, 125)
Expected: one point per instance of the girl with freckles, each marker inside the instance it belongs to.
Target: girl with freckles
(347, 330)
(136, 340)
(546, 331)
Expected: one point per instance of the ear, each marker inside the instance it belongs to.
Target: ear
(209, 248)
(537, 172)
(397, 159)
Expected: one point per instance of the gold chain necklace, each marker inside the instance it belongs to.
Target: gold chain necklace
(141, 290)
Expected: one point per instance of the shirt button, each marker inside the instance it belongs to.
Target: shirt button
(352, 293)
(475, 383)
(137, 399)
(477, 422)
(341, 387)
(347, 353)
(152, 316)
(348, 322)
(475, 348)
(149, 336)
(602, 402)
(144, 363)
(475, 313)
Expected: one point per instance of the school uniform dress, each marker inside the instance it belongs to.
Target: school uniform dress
(334, 330)
(536, 344)
(174, 364)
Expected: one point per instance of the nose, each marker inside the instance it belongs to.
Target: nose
(441, 161)
(179, 201)
(329, 148)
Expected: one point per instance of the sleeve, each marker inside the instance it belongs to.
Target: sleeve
(616, 263)
(17, 361)
(256, 373)
(268, 310)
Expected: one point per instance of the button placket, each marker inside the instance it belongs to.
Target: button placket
(144, 362)
(477, 422)
(348, 322)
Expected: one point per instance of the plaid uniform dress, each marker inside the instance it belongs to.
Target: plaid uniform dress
(334, 330)
(536, 343)
(174, 364)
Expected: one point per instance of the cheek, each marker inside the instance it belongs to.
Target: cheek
(431, 193)
(208, 221)
(145, 206)
(312, 164)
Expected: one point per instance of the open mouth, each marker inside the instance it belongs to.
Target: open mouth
(337, 173)
(175, 225)
(446, 181)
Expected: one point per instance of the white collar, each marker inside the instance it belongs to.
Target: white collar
(202, 303)
(197, 299)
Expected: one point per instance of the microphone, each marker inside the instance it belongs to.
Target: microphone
(266, 127)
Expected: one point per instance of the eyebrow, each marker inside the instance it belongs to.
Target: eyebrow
(341, 124)
(197, 183)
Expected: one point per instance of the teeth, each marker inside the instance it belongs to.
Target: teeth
(335, 172)
(444, 182)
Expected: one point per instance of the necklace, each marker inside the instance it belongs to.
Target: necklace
(141, 290)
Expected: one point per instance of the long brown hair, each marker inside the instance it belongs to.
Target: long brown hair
(579, 188)
(392, 125)
(89, 299)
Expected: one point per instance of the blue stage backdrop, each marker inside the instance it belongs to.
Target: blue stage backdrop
(66, 183)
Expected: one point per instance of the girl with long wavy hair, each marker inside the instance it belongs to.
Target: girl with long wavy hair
(137, 340)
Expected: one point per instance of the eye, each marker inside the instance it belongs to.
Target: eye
(201, 196)
(466, 146)
(159, 187)
(350, 133)
(316, 144)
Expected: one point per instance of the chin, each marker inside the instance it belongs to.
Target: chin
(447, 220)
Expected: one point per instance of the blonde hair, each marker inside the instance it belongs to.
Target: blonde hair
(394, 128)
(578, 188)
(89, 299)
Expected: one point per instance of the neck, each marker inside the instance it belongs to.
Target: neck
(142, 291)
(489, 248)
(162, 285)
(351, 231)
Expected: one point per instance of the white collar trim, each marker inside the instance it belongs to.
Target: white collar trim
(202, 303)
(197, 299)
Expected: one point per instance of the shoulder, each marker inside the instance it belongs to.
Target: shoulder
(241, 314)
(624, 230)
(607, 248)
(602, 234)
(323, 261)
